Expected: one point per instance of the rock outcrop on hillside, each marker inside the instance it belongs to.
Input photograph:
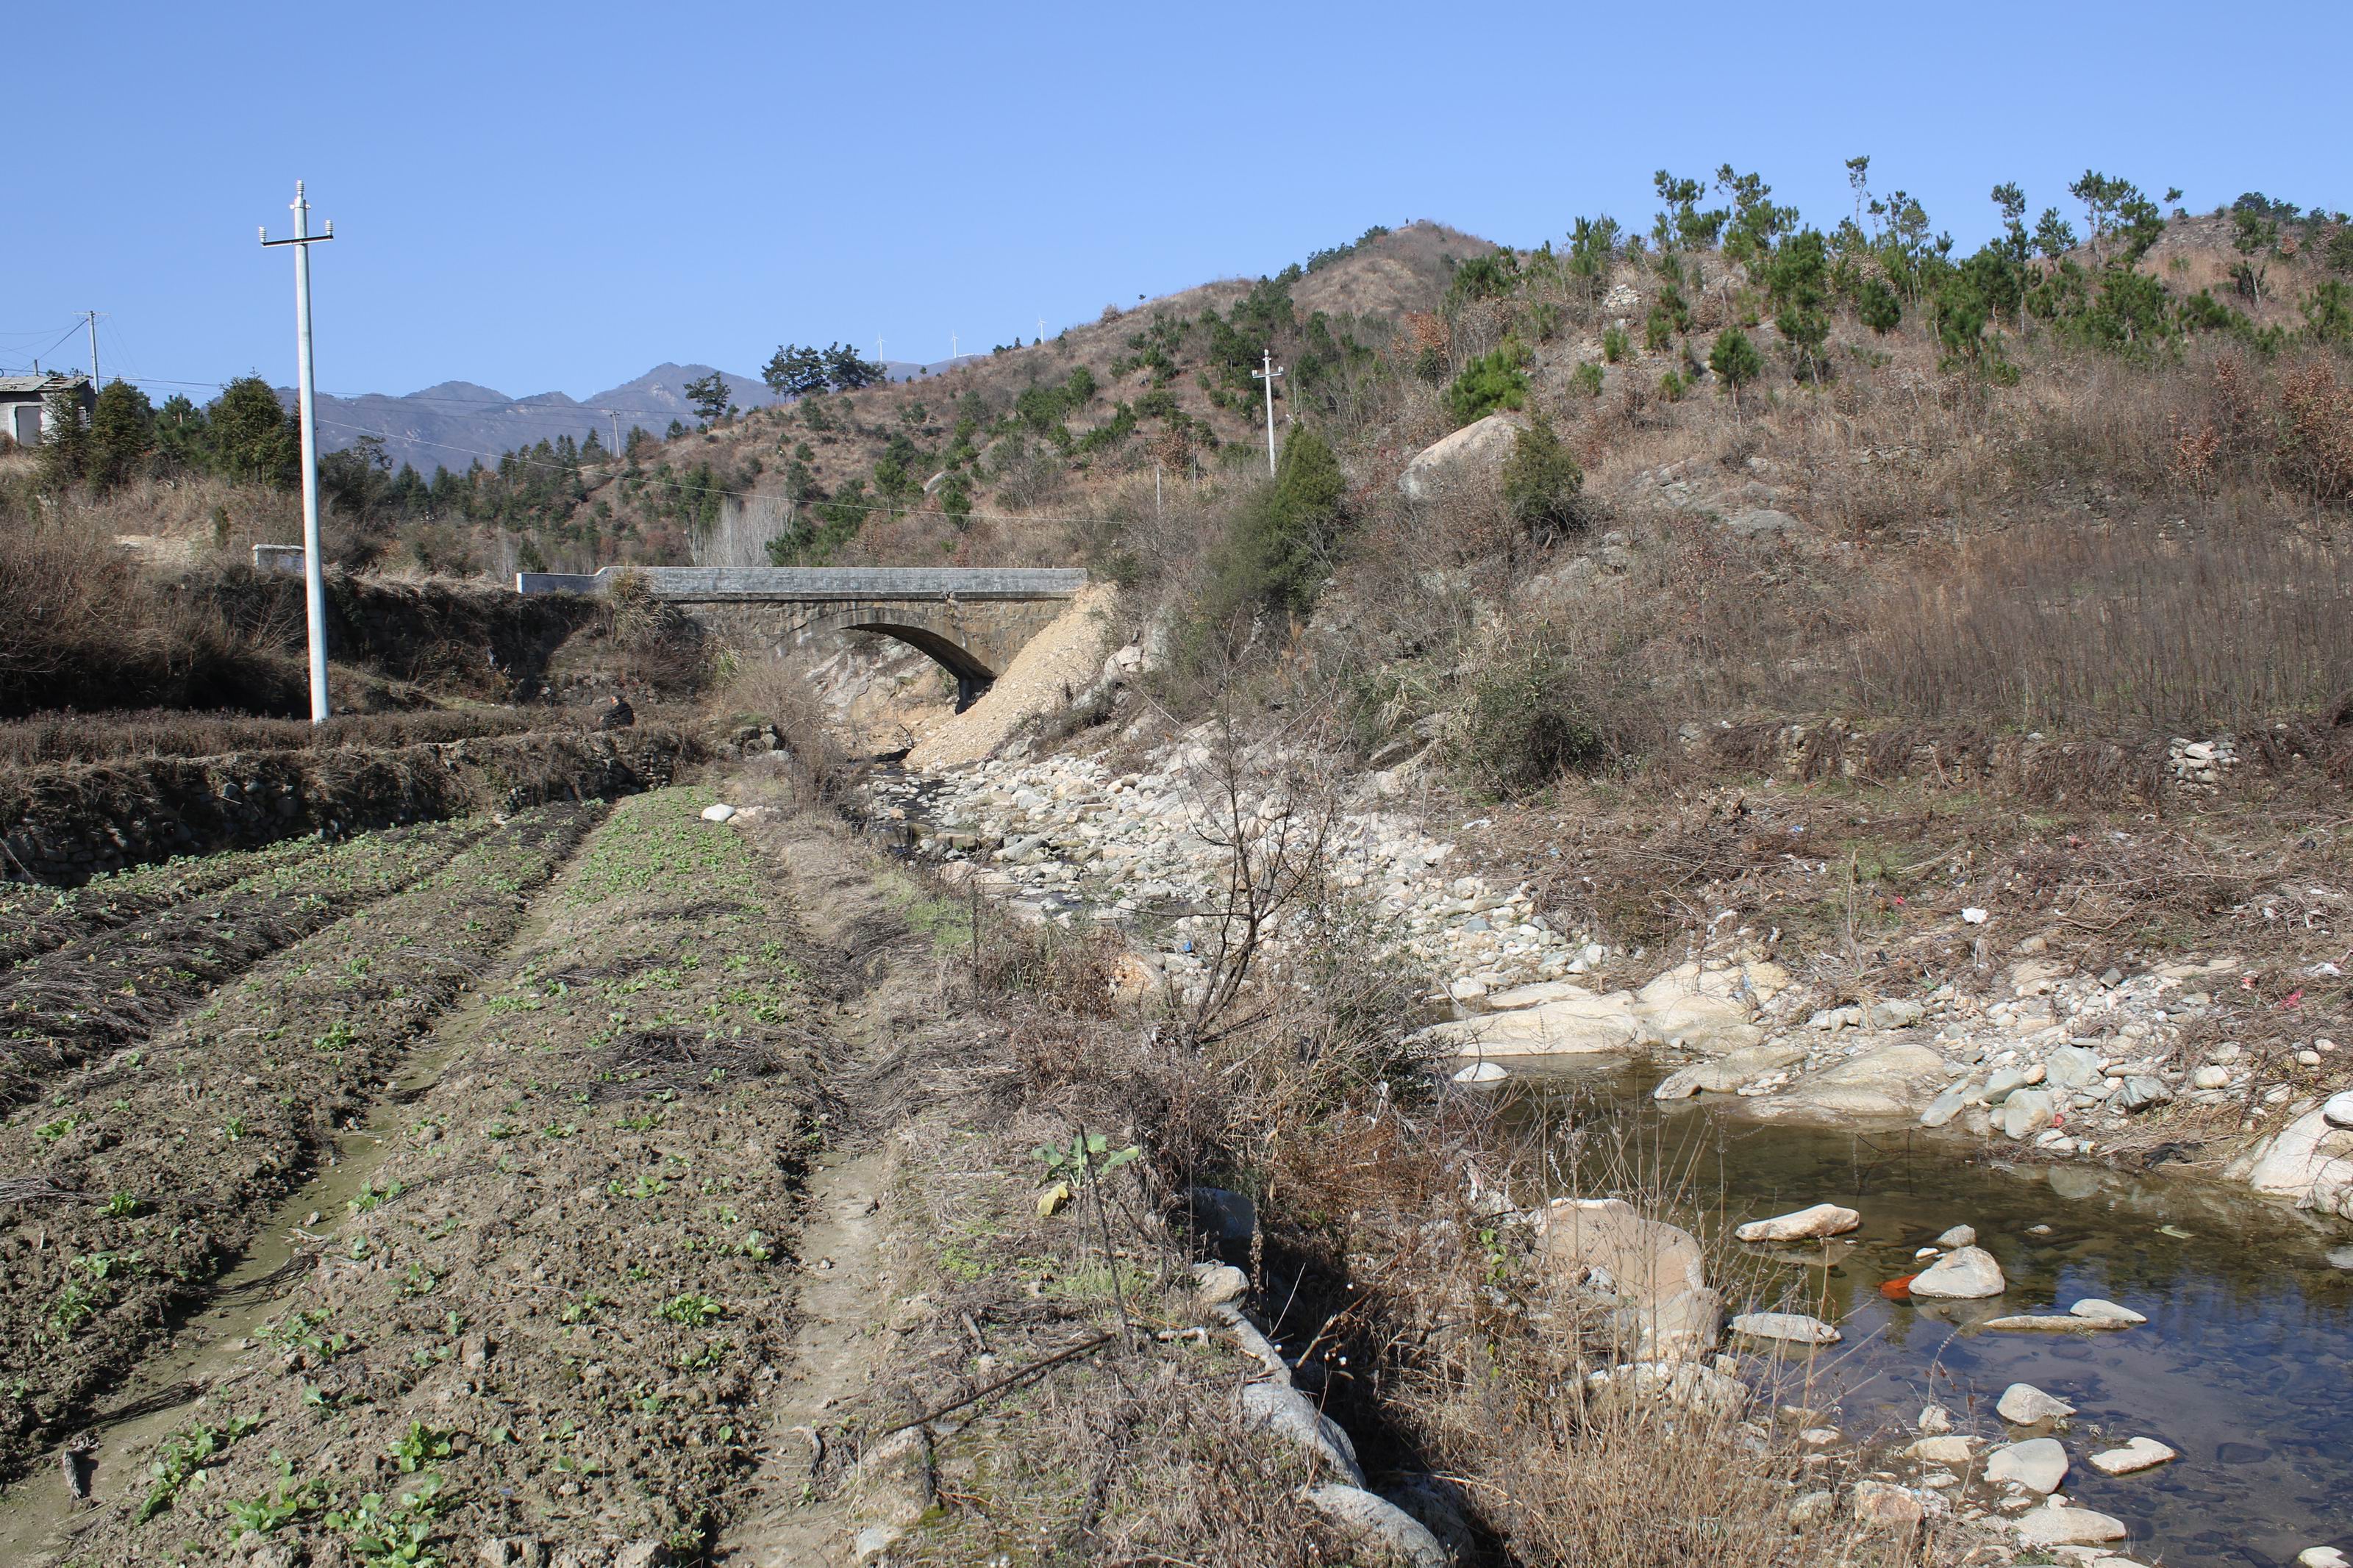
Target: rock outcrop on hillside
(1462, 463)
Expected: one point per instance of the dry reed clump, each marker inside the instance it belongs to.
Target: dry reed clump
(758, 690)
(661, 645)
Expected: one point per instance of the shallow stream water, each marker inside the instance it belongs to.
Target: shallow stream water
(2246, 1365)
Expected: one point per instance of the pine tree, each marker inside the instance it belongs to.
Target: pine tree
(121, 435)
(847, 372)
(1796, 282)
(710, 396)
(1541, 481)
(795, 372)
(1280, 551)
(253, 437)
(65, 441)
(1876, 303)
(1735, 360)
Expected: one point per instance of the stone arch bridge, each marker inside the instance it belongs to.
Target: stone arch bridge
(972, 620)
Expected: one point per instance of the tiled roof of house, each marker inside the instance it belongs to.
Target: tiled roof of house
(58, 382)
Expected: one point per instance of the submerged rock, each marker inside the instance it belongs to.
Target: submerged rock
(2140, 1454)
(2052, 1323)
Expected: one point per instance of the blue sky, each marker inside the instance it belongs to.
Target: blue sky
(543, 197)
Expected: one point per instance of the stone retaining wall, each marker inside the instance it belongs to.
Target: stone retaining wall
(67, 823)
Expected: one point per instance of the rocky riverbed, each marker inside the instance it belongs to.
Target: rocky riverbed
(2096, 1362)
(2044, 1059)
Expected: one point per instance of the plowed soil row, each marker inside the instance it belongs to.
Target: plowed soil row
(109, 988)
(137, 1183)
(543, 1329)
(35, 918)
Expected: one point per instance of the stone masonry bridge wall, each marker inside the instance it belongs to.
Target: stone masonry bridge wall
(971, 620)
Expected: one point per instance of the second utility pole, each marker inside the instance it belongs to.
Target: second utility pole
(1268, 375)
(314, 580)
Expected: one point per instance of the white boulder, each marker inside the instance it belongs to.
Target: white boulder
(2054, 1524)
(1794, 1327)
(2039, 1464)
(1805, 1224)
(1963, 1274)
(1655, 1269)
(1470, 459)
(2023, 1405)
(1384, 1534)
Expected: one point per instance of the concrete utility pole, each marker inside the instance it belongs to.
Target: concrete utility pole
(1268, 375)
(91, 316)
(614, 415)
(314, 581)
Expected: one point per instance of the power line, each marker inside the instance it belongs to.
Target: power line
(61, 337)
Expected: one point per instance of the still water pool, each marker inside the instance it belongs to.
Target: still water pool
(2246, 1365)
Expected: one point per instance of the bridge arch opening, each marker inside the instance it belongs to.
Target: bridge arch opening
(973, 677)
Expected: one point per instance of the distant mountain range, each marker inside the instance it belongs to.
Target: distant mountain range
(454, 422)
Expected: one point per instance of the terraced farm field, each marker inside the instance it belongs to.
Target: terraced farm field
(437, 1186)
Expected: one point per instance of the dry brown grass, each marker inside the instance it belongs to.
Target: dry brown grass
(763, 690)
(2116, 631)
(53, 738)
(88, 626)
